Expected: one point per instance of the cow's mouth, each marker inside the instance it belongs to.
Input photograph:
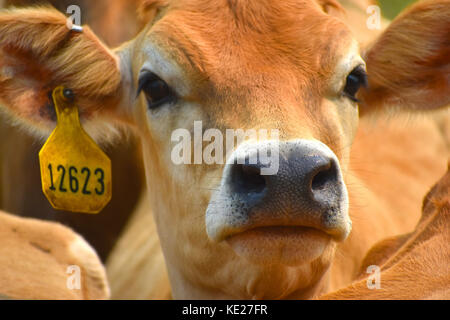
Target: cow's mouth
(287, 245)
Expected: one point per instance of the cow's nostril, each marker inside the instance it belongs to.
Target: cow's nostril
(247, 179)
(326, 175)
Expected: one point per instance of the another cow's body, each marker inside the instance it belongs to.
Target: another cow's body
(413, 265)
(386, 191)
(42, 260)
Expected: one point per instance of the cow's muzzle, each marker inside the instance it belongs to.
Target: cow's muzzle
(306, 190)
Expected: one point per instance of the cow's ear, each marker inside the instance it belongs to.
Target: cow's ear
(40, 51)
(409, 65)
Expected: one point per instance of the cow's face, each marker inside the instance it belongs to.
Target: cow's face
(264, 226)
(262, 65)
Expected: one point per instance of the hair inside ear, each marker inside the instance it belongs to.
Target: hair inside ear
(38, 52)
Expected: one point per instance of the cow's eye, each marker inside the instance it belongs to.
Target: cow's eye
(156, 90)
(355, 80)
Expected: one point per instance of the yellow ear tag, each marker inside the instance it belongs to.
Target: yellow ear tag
(75, 172)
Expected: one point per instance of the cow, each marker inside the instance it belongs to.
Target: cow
(45, 260)
(413, 265)
(137, 261)
(227, 230)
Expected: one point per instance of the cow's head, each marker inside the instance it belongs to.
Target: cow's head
(252, 226)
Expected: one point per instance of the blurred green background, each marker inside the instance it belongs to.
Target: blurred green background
(390, 8)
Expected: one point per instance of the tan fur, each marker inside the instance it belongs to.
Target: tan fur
(415, 265)
(355, 17)
(35, 255)
(251, 65)
(136, 268)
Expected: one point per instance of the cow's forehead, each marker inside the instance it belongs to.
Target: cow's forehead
(243, 43)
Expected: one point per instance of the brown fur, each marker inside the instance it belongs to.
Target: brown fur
(420, 79)
(415, 265)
